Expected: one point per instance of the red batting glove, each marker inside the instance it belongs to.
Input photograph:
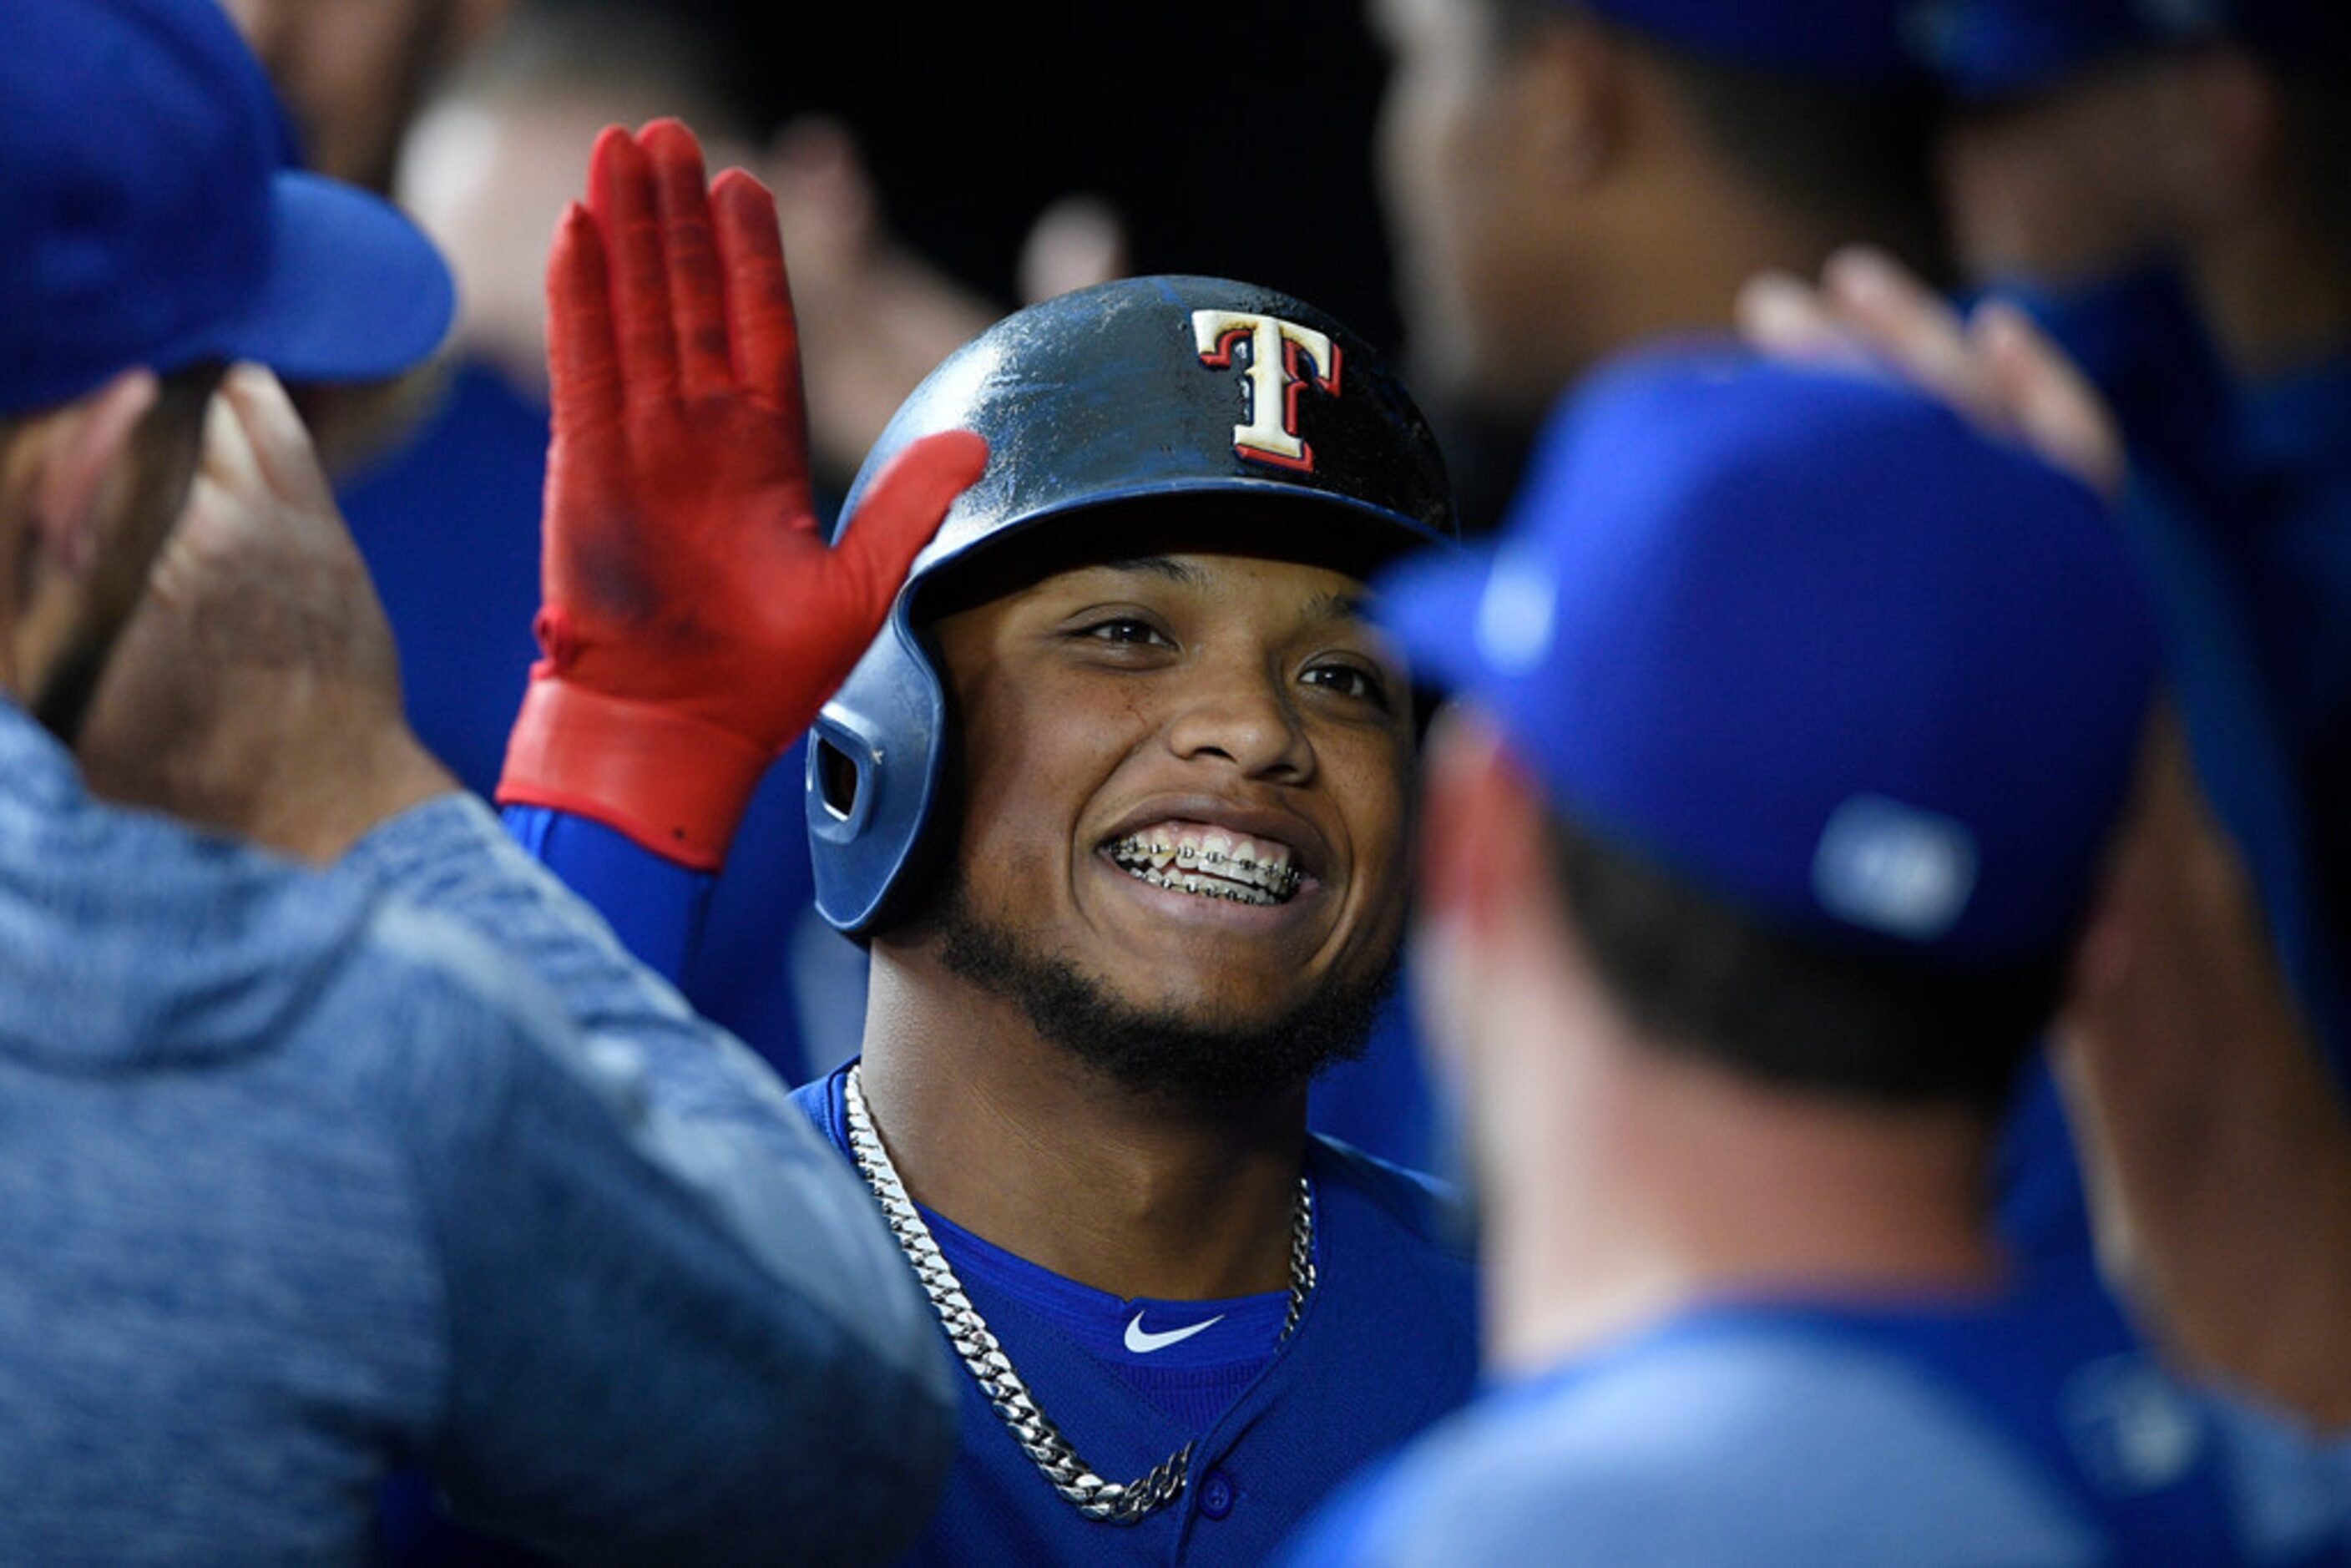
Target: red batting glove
(694, 620)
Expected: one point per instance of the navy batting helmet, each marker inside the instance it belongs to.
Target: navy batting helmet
(1099, 407)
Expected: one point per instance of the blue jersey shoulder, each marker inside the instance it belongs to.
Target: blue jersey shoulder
(1769, 1437)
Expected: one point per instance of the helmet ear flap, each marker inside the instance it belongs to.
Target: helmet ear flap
(872, 783)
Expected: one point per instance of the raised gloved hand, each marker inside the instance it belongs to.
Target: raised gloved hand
(694, 619)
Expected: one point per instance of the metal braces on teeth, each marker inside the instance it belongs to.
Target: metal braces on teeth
(1137, 859)
(1233, 892)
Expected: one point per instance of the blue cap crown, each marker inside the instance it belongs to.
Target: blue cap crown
(1809, 642)
(1851, 42)
(1986, 50)
(146, 217)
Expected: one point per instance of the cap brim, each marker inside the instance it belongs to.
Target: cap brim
(353, 291)
(1429, 604)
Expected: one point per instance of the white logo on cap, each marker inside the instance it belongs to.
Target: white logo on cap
(1516, 617)
(1894, 868)
(2129, 1425)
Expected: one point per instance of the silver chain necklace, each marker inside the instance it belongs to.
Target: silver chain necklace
(1109, 1502)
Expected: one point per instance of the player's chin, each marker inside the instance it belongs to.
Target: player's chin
(1258, 1029)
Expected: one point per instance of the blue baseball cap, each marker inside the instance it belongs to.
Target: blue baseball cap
(147, 216)
(1987, 51)
(1852, 43)
(1806, 640)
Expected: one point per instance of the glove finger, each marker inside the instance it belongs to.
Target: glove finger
(759, 294)
(583, 359)
(620, 194)
(697, 300)
(902, 510)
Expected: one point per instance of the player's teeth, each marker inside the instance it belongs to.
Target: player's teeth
(1240, 869)
(1202, 886)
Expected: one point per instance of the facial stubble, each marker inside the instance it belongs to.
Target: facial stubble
(1169, 1051)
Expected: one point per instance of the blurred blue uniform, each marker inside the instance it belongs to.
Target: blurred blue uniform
(1381, 1103)
(2292, 452)
(449, 524)
(2025, 1429)
(1275, 1427)
(2241, 519)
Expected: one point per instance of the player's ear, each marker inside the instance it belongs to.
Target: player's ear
(77, 457)
(1567, 97)
(1484, 845)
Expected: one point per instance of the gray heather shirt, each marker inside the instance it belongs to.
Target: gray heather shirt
(303, 1176)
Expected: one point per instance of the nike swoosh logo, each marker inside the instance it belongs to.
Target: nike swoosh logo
(1142, 1342)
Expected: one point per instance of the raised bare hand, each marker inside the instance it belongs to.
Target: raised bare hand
(257, 689)
(1993, 365)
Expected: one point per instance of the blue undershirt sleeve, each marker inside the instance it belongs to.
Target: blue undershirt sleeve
(654, 905)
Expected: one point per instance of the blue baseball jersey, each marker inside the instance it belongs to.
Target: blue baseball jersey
(1386, 1344)
(2026, 1430)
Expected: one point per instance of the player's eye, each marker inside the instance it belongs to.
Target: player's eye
(1127, 630)
(1349, 680)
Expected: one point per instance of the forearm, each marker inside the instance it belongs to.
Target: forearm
(2216, 1150)
(654, 905)
(2224, 1201)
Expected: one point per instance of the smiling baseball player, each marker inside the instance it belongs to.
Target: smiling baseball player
(1117, 797)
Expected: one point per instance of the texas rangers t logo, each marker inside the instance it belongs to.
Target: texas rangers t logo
(1281, 355)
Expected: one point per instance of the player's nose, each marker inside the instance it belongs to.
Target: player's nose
(1241, 716)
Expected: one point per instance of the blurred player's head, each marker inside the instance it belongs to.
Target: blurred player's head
(148, 245)
(1129, 754)
(354, 72)
(1563, 178)
(492, 160)
(2091, 136)
(1814, 710)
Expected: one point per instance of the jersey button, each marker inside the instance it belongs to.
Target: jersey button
(1216, 1494)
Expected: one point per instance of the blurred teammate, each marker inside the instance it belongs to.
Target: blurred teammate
(2218, 1155)
(1118, 798)
(297, 1168)
(2166, 188)
(1798, 716)
(1565, 178)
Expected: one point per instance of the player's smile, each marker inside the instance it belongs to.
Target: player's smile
(1205, 848)
(1218, 751)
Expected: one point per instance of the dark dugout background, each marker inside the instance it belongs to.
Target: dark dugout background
(1231, 139)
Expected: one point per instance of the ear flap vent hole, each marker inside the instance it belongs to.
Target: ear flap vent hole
(837, 781)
